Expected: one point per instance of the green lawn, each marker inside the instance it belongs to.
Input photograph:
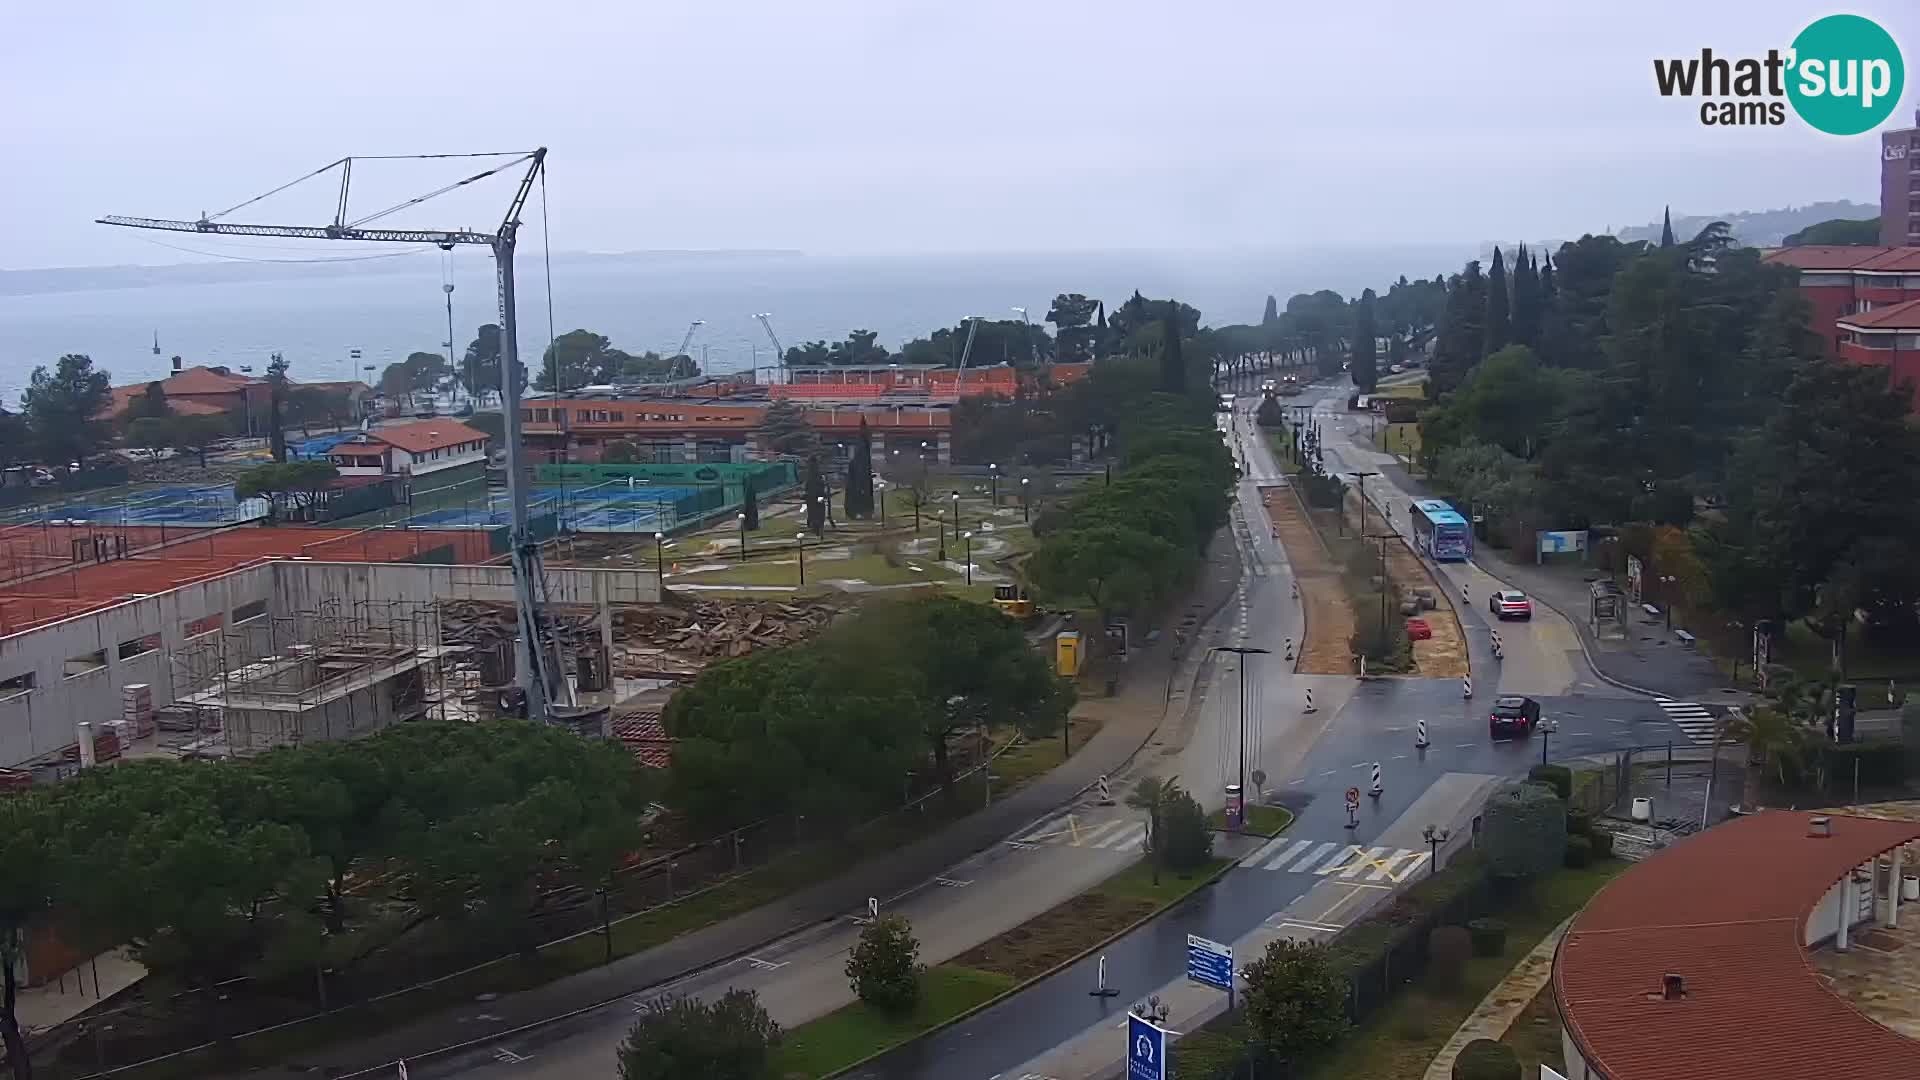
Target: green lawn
(1399, 1041)
(853, 1034)
(1261, 820)
(1037, 755)
(1136, 882)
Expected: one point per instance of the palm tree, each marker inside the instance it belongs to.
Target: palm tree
(1154, 795)
(1773, 737)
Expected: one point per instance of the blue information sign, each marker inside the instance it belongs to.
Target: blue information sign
(1210, 962)
(1146, 1050)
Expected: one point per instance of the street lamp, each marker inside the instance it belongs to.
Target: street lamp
(659, 560)
(881, 487)
(800, 548)
(1547, 728)
(968, 536)
(993, 480)
(743, 535)
(1242, 652)
(1434, 838)
(940, 527)
(1667, 582)
(1360, 477)
(956, 515)
(821, 502)
(1024, 481)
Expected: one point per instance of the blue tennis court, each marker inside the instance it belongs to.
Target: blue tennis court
(160, 504)
(610, 507)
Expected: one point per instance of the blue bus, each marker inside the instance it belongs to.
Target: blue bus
(1443, 534)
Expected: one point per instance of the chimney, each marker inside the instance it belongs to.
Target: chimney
(1819, 826)
(84, 729)
(176, 365)
(1672, 987)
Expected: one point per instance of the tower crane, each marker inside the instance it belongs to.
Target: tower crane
(779, 350)
(688, 340)
(973, 327)
(539, 674)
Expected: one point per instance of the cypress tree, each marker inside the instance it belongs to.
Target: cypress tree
(860, 475)
(1547, 289)
(1173, 362)
(1366, 372)
(1526, 300)
(1100, 331)
(1666, 227)
(815, 487)
(1499, 323)
(750, 504)
(1272, 314)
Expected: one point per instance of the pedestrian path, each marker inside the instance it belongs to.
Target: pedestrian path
(1290, 855)
(1503, 1004)
(1691, 717)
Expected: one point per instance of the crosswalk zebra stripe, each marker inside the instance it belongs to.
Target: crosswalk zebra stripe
(1090, 836)
(1136, 841)
(1419, 859)
(1280, 851)
(1119, 835)
(1310, 858)
(1387, 865)
(1043, 831)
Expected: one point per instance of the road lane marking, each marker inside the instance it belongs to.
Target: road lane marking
(506, 1056)
(1282, 851)
(1319, 852)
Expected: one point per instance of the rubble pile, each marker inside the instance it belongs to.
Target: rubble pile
(669, 640)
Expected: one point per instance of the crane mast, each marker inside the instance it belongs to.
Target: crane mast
(539, 674)
(779, 350)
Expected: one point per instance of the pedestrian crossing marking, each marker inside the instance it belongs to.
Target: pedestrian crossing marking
(1694, 719)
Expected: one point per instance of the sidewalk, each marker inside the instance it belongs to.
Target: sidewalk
(1503, 1004)
(1148, 693)
(1651, 660)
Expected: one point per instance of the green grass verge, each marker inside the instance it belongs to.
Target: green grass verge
(1136, 882)
(1261, 820)
(1399, 1041)
(853, 1034)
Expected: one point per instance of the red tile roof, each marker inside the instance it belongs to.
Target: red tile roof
(1901, 316)
(1847, 257)
(645, 737)
(419, 435)
(124, 396)
(205, 380)
(1726, 911)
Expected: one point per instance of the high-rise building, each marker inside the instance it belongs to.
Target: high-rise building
(1900, 185)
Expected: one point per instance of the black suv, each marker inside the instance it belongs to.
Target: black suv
(1513, 714)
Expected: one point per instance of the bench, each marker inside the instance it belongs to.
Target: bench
(1685, 638)
(1652, 612)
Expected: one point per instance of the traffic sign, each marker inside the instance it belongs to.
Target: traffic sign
(1353, 798)
(1210, 962)
(1146, 1050)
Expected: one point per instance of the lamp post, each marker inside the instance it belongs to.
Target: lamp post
(968, 536)
(743, 535)
(955, 499)
(940, 528)
(1434, 838)
(1243, 653)
(825, 509)
(1667, 582)
(659, 560)
(880, 487)
(1024, 498)
(993, 482)
(1360, 478)
(800, 548)
(1547, 728)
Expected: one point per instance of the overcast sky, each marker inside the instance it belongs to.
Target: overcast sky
(852, 127)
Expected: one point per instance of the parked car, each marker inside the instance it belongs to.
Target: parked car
(1513, 715)
(1509, 604)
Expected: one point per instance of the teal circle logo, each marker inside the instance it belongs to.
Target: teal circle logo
(1846, 75)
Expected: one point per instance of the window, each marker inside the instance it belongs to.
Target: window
(582, 415)
(616, 416)
(204, 625)
(526, 414)
(600, 416)
(85, 663)
(249, 611)
(542, 416)
(139, 646)
(19, 684)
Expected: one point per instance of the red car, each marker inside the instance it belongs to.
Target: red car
(1510, 604)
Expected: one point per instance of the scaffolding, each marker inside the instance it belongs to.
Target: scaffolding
(336, 671)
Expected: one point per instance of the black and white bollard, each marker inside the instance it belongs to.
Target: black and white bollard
(1463, 591)
(1420, 734)
(1466, 686)
(1374, 789)
(1309, 707)
(1106, 793)
(1498, 652)
(1101, 989)
(1289, 648)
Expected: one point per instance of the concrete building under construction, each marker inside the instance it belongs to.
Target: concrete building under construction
(241, 640)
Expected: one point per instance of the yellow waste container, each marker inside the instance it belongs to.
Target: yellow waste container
(1066, 653)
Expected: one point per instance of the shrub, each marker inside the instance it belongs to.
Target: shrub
(1602, 842)
(1489, 936)
(1448, 950)
(1579, 851)
(1557, 777)
(729, 1039)
(1485, 1059)
(1295, 1002)
(884, 966)
(1188, 837)
(1525, 829)
(1579, 823)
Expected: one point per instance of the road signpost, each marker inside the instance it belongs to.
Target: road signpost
(1353, 808)
(1211, 964)
(1146, 1049)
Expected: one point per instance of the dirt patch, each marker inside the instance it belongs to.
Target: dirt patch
(1328, 649)
(1056, 935)
(1444, 655)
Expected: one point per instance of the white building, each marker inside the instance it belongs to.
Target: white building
(415, 448)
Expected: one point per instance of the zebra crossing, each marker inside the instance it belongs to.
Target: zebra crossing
(1691, 717)
(1332, 859)
(1067, 830)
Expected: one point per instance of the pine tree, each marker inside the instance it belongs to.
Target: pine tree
(1173, 362)
(1366, 370)
(814, 489)
(1666, 227)
(1526, 300)
(1499, 324)
(750, 504)
(860, 475)
(276, 401)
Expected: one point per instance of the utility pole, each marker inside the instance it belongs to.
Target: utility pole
(1383, 538)
(539, 674)
(1361, 479)
(1243, 653)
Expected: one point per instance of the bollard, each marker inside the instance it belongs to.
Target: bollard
(1289, 648)
(1309, 707)
(1463, 590)
(1420, 736)
(1374, 789)
(1106, 793)
(1466, 686)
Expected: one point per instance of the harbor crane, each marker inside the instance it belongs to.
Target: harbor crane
(539, 674)
(688, 340)
(779, 350)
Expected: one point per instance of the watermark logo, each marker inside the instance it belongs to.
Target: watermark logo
(1842, 75)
